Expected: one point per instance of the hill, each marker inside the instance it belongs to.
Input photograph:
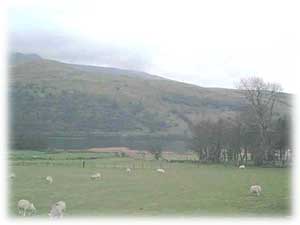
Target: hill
(79, 106)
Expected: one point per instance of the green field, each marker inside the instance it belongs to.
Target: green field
(184, 190)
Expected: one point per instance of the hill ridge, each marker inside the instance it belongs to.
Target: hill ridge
(62, 100)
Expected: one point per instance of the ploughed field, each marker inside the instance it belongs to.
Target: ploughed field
(185, 189)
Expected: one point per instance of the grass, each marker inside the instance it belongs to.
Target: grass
(56, 155)
(184, 190)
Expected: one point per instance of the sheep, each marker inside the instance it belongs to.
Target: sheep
(242, 167)
(61, 205)
(128, 170)
(12, 176)
(57, 209)
(161, 170)
(55, 213)
(49, 179)
(25, 205)
(256, 189)
(96, 176)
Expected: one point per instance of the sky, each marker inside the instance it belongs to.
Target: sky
(208, 43)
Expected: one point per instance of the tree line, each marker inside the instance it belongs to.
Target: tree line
(255, 133)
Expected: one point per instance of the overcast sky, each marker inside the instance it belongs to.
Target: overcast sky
(208, 43)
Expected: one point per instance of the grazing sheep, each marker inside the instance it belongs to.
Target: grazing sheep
(96, 176)
(57, 209)
(161, 170)
(55, 213)
(25, 205)
(61, 205)
(12, 176)
(49, 179)
(242, 167)
(128, 170)
(256, 189)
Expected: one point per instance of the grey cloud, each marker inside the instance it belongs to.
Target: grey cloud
(72, 49)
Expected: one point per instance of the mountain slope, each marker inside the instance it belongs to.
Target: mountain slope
(65, 100)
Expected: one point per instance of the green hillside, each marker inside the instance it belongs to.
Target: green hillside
(60, 102)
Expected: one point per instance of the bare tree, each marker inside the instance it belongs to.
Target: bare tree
(242, 136)
(200, 139)
(155, 149)
(282, 137)
(209, 140)
(261, 97)
(234, 139)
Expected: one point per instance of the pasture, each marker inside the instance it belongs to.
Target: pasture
(185, 189)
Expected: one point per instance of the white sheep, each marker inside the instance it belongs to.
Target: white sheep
(57, 209)
(96, 176)
(256, 189)
(161, 170)
(12, 176)
(242, 167)
(49, 179)
(25, 205)
(128, 170)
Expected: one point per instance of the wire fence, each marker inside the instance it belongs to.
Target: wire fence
(134, 164)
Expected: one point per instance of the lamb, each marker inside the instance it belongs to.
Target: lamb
(25, 205)
(161, 170)
(96, 176)
(49, 179)
(242, 167)
(128, 170)
(256, 189)
(57, 209)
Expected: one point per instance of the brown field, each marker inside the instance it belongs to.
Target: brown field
(129, 152)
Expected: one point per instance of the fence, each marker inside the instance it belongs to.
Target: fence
(135, 164)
